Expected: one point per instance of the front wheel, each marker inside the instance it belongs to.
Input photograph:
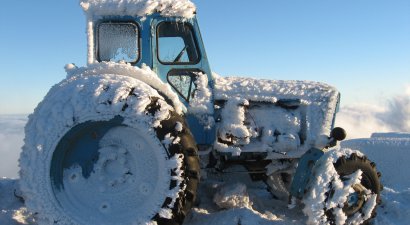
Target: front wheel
(107, 149)
(345, 190)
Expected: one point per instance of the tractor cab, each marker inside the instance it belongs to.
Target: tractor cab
(171, 46)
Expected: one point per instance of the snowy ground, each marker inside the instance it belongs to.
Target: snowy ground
(390, 152)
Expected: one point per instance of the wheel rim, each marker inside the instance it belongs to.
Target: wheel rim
(105, 172)
(355, 200)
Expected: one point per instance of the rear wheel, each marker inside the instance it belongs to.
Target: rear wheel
(108, 150)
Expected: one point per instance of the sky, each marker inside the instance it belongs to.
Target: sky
(360, 46)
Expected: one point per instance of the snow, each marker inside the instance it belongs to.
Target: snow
(232, 196)
(391, 153)
(201, 104)
(302, 111)
(273, 90)
(167, 8)
(326, 178)
(179, 127)
(233, 128)
(144, 74)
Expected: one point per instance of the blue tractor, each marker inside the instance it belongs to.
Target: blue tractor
(124, 140)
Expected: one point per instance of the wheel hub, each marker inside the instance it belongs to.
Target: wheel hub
(355, 200)
(113, 169)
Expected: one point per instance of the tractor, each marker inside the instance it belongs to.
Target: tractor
(125, 139)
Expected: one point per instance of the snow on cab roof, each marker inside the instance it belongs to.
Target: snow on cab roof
(168, 8)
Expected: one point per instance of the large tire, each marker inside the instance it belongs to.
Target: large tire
(107, 149)
(347, 193)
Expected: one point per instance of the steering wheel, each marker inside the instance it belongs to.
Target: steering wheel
(179, 56)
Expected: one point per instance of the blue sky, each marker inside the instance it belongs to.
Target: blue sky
(360, 46)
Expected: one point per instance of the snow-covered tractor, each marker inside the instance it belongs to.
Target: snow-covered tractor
(126, 139)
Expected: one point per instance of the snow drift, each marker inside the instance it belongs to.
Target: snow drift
(391, 153)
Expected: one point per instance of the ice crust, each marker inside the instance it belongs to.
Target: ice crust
(168, 8)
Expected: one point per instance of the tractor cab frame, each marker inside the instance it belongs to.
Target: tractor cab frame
(172, 47)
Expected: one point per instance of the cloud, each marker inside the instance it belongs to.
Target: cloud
(361, 120)
(11, 141)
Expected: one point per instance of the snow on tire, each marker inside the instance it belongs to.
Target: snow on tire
(345, 189)
(107, 149)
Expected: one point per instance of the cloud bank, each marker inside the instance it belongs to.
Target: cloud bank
(361, 120)
(11, 141)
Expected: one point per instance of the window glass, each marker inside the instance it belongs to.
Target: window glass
(183, 82)
(176, 44)
(118, 42)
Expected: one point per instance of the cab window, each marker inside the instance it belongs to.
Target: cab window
(183, 82)
(117, 42)
(176, 43)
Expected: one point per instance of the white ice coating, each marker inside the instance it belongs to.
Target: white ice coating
(177, 160)
(168, 140)
(97, 93)
(326, 175)
(232, 196)
(233, 128)
(179, 127)
(279, 128)
(168, 8)
(201, 104)
(144, 74)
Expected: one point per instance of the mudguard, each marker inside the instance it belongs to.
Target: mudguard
(304, 172)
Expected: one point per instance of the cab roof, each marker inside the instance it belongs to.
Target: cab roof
(167, 8)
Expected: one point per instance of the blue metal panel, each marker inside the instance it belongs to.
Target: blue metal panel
(202, 136)
(336, 111)
(304, 172)
(79, 147)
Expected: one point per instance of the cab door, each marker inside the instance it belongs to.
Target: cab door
(179, 58)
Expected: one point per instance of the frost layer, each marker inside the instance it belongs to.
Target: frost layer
(144, 74)
(182, 8)
(96, 93)
(326, 179)
(280, 117)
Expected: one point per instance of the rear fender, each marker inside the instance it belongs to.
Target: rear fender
(304, 172)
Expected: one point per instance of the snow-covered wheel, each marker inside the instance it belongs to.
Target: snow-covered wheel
(346, 190)
(107, 149)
